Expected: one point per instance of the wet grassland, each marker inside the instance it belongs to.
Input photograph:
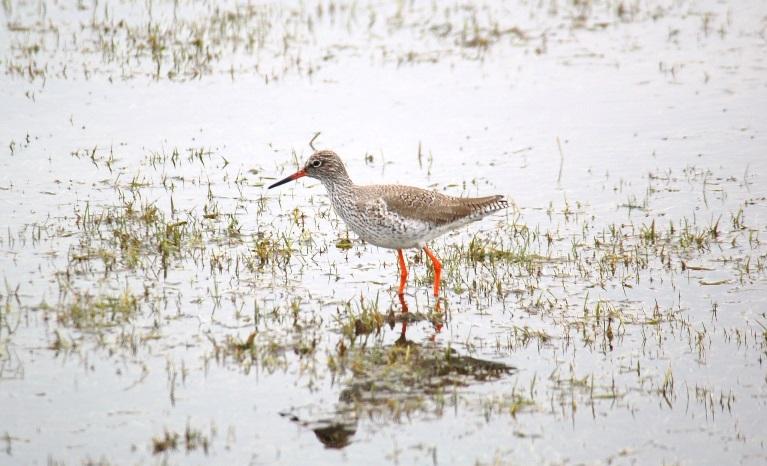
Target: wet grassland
(158, 305)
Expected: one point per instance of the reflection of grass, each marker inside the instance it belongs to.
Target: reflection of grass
(88, 312)
(511, 403)
(192, 439)
(366, 320)
(136, 233)
(268, 40)
(266, 351)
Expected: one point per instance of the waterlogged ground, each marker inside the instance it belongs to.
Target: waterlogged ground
(159, 305)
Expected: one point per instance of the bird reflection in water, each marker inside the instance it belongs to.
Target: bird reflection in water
(386, 381)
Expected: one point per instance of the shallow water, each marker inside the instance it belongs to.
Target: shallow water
(621, 297)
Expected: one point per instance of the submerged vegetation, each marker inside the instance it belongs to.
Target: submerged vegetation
(155, 282)
(190, 40)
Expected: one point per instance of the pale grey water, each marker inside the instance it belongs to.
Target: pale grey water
(687, 144)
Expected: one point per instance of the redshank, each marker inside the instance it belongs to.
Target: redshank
(394, 216)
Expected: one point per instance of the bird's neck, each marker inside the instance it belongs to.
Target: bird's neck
(339, 185)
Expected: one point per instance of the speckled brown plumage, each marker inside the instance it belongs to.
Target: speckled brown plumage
(394, 216)
(430, 206)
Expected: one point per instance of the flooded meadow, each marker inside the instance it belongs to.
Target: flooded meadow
(159, 305)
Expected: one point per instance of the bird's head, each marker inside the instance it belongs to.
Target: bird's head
(324, 165)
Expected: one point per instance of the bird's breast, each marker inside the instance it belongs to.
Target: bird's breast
(373, 223)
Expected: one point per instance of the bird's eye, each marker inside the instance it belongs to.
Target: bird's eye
(316, 163)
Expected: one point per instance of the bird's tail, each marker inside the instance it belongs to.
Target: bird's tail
(485, 205)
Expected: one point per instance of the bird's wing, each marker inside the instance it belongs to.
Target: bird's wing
(433, 207)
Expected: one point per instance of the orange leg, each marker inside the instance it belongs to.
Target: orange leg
(403, 303)
(437, 269)
(402, 273)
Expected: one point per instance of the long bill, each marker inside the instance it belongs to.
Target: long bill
(292, 177)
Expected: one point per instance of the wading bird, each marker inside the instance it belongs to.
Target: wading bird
(394, 216)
